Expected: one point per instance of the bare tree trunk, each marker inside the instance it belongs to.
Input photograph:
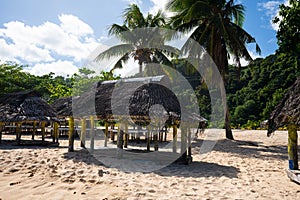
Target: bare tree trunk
(227, 125)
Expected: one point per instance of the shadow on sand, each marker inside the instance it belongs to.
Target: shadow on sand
(247, 149)
(195, 169)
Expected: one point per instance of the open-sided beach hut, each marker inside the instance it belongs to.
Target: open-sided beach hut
(287, 113)
(133, 99)
(25, 107)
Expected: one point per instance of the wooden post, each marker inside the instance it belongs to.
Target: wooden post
(165, 131)
(1, 132)
(105, 134)
(126, 138)
(189, 142)
(92, 133)
(71, 134)
(83, 132)
(293, 147)
(189, 153)
(43, 131)
(18, 132)
(112, 134)
(33, 130)
(156, 138)
(174, 138)
(148, 138)
(120, 138)
(138, 138)
(183, 149)
(55, 129)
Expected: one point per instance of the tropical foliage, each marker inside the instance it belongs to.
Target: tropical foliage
(217, 26)
(13, 78)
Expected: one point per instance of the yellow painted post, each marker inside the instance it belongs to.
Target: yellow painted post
(71, 134)
(174, 138)
(293, 147)
(106, 134)
(33, 130)
(92, 133)
(126, 136)
(55, 131)
(83, 133)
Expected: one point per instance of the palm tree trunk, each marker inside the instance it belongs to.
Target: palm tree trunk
(228, 130)
(141, 69)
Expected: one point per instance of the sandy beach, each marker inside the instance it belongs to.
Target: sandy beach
(251, 167)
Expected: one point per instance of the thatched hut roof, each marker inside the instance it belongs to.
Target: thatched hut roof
(25, 106)
(288, 110)
(139, 98)
(63, 106)
(140, 94)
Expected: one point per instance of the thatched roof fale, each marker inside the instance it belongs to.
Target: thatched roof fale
(25, 106)
(288, 110)
(63, 106)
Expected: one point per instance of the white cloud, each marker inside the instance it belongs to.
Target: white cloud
(137, 2)
(73, 25)
(71, 40)
(160, 5)
(243, 62)
(271, 9)
(60, 68)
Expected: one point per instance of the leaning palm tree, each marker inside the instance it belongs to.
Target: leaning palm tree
(217, 26)
(141, 40)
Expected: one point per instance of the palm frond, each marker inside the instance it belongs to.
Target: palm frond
(115, 51)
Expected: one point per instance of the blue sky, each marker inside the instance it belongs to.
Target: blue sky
(59, 35)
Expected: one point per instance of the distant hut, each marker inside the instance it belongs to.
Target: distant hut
(287, 112)
(23, 108)
(63, 107)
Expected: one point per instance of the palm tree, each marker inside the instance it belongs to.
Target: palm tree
(139, 35)
(217, 26)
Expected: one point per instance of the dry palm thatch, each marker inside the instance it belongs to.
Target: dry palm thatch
(63, 106)
(25, 106)
(288, 110)
(138, 100)
(136, 96)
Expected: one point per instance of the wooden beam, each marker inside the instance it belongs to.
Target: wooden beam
(293, 147)
(106, 134)
(71, 134)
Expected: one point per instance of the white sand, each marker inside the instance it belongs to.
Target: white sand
(253, 166)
